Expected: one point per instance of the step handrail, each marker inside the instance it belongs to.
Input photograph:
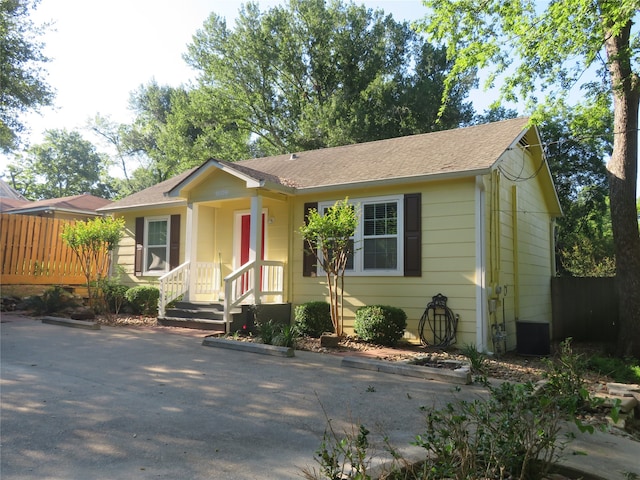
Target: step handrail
(173, 284)
(239, 284)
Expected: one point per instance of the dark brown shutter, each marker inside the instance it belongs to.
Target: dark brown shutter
(413, 235)
(174, 242)
(139, 246)
(309, 263)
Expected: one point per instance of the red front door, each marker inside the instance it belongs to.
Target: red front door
(245, 242)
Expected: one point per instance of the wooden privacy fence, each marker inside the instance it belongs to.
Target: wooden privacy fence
(585, 309)
(33, 253)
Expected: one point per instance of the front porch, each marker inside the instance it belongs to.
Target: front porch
(221, 300)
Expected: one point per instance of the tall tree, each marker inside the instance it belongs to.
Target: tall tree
(576, 153)
(64, 164)
(22, 84)
(174, 129)
(550, 47)
(310, 74)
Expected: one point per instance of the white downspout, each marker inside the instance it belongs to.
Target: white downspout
(481, 293)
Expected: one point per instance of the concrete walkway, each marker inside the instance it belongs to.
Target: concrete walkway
(125, 403)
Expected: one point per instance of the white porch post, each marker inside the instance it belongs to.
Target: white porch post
(255, 245)
(191, 247)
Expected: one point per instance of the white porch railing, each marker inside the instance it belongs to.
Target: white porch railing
(173, 284)
(176, 282)
(239, 285)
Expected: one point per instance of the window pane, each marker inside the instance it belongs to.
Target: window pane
(380, 254)
(380, 219)
(157, 259)
(157, 233)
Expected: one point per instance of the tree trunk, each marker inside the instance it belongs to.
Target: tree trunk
(623, 171)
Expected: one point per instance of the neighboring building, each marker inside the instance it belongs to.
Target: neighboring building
(468, 213)
(9, 198)
(76, 207)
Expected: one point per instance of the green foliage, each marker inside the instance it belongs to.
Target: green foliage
(477, 359)
(115, 294)
(143, 299)
(620, 370)
(380, 324)
(22, 78)
(342, 457)
(565, 379)
(555, 49)
(309, 74)
(286, 337)
(514, 433)
(274, 333)
(52, 300)
(328, 237)
(267, 331)
(92, 241)
(576, 145)
(313, 318)
(64, 164)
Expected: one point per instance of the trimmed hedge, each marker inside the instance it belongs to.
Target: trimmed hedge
(143, 299)
(380, 324)
(313, 319)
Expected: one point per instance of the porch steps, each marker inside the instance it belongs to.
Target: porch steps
(197, 315)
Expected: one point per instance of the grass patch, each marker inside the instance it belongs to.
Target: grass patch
(620, 370)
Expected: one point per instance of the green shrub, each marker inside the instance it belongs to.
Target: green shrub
(52, 300)
(143, 299)
(115, 294)
(267, 331)
(313, 319)
(286, 337)
(380, 324)
(623, 371)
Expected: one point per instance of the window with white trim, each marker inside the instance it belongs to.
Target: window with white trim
(156, 245)
(378, 240)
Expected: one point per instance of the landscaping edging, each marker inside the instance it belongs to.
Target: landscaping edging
(69, 322)
(248, 347)
(461, 376)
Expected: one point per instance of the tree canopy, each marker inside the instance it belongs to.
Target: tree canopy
(312, 74)
(22, 84)
(538, 49)
(65, 164)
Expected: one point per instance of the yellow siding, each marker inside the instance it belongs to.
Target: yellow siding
(124, 253)
(526, 255)
(448, 259)
(515, 244)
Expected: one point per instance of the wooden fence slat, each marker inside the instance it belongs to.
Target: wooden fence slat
(585, 309)
(33, 252)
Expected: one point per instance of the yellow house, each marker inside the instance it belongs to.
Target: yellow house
(466, 213)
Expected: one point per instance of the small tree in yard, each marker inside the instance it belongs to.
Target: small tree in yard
(329, 238)
(92, 241)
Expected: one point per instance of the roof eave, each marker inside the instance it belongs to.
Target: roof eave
(397, 181)
(54, 209)
(144, 206)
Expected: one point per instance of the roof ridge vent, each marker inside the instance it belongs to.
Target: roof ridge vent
(293, 156)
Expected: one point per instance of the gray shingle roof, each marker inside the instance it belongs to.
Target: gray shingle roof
(469, 150)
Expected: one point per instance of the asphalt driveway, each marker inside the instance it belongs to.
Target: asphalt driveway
(124, 403)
